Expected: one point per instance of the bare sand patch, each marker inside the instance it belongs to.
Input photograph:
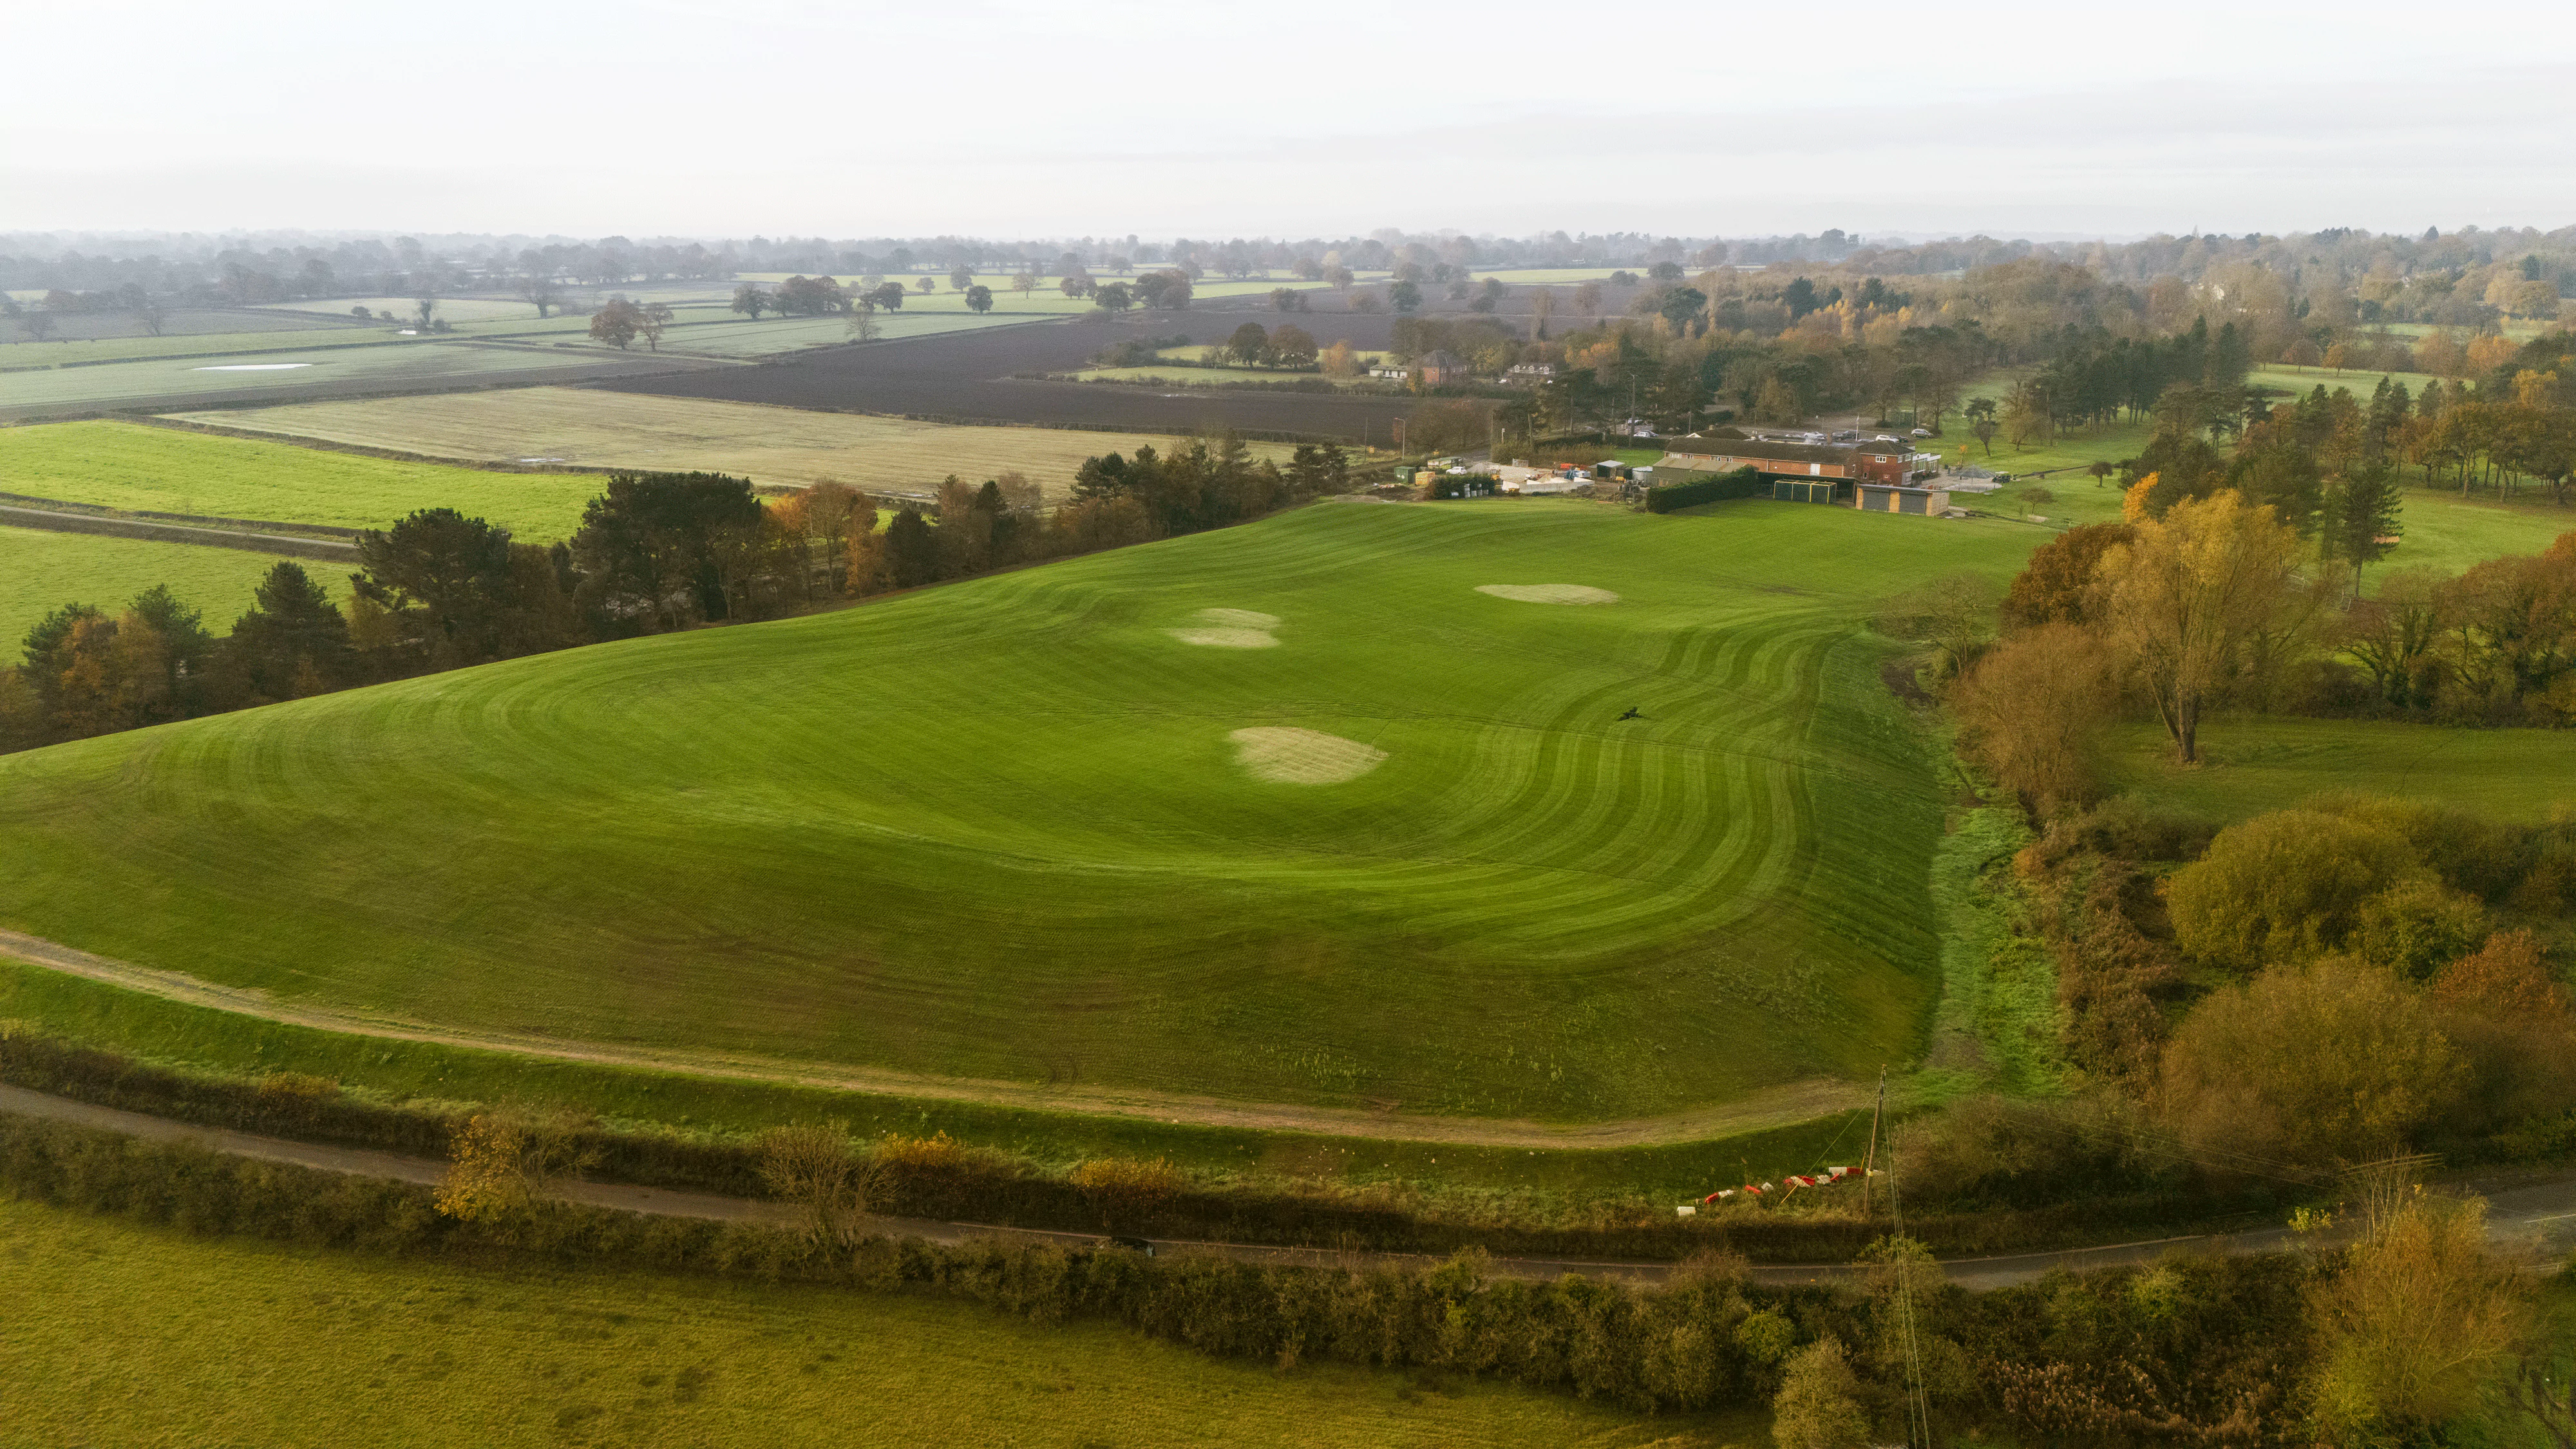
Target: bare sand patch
(1225, 638)
(1549, 593)
(1302, 757)
(1238, 619)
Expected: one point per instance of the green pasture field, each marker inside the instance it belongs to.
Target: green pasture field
(2255, 765)
(1538, 1184)
(40, 571)
(429, 361)
(454, 309)
(1553, 276)
(770, 445)
(122, 1334)
(2293, 381)
(205, 346)
(140, 468)
(1210, 376)
(999, 829)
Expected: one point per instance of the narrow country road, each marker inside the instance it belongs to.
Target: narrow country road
(2533, 1222)
(1778, 1106)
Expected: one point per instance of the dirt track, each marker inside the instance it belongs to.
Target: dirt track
(2536, 1222)
(1773, 1107)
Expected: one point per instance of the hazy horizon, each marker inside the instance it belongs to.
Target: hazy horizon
(782, 117)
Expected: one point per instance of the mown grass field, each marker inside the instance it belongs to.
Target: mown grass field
(999, 829)
(41, 571)
(204, 1040)
(716, 331)
(769, 445)
(428, 361)
(138, 467)
(2255, 765)
(112, 1334)
(201, 346)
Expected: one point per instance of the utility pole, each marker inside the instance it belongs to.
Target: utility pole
(1871, 1161)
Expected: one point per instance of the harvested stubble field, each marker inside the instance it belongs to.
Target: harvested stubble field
(1001, 830)
(137, 467)
(120, 1334)
(770, 445)
(42, 571)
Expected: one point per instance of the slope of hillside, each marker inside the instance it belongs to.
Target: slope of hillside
(1291, 812)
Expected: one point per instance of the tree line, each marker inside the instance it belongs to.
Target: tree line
(655, 552)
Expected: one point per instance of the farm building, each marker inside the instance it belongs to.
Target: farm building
(1441, 369)
(1903, 498)
(1529, 374)
(1392, 371)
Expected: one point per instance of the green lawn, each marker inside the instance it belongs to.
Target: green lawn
(2255, 765)
(112, 1334)
(137, 467)
(999, 829)
(204, 346)
(718, 332)
(428, 362)
(41, 571)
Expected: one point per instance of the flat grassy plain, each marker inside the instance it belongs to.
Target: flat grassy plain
(769, 445)
(717, 332)
(1000, 829)
(41, 571)
(2255, 765)
(429, 362)
(138, 467)
(117, 1334)
(203, 346)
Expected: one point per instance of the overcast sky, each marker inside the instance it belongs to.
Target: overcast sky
(1007, 118)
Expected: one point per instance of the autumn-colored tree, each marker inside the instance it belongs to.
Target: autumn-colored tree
(2187, 596)
(1818, 1406)
(2414, 1323)
(501, 1163)
(2056, 585)
(2031, 711)
(2308, 1066)
(814, 1168)
(616, 323)
(2507, 976)
(1123, 1189)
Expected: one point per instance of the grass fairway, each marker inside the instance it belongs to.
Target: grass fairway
(1000, 830)
(770, 445)
(114, 1334)
(42, 571)
(2254, 765)
(137, 467)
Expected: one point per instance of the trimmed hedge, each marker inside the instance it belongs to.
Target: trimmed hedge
(1742, 483)
(986, 1187)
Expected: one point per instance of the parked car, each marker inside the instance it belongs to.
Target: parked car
(1132, 1245)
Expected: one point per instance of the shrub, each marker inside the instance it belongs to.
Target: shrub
(2486, 858)
(1818, 1406)
(2418, 926)
(2305, 1067)
(1121, 1187)
(2416, 1322)
(2283, 887)
(2030, 710)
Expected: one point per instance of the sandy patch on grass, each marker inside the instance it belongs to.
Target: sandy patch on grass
(1225, 638)
(1238, 619)
(1549, 593)
(1302, 757)
(1230, 629)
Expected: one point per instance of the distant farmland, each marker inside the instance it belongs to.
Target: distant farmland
(42, 571)
(770, 445)
(970, 375)
(139, 468)
(313, 372)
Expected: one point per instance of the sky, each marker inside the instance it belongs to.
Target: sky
(1009, 118)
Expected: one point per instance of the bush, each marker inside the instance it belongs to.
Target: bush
(2485, 858)
(2283, 887)
(2307, 1067)
(2030, 711)
(1818, 1406)
(1666, 497)
(2418, 926)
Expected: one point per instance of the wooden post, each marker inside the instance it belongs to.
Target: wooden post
(1871, 1161)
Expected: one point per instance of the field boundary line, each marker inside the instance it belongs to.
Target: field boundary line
(97, 525)
(1779, 1106)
